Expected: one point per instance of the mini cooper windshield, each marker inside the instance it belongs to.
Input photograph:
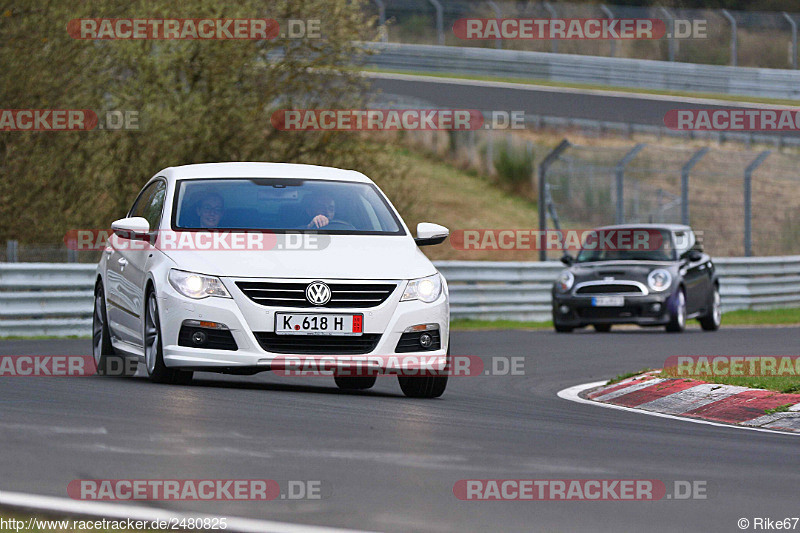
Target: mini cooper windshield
(282, 204)
(656, 246)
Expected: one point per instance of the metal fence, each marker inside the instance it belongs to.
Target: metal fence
(743, 202)
(617, 72)
(744, 38)
(56, 299)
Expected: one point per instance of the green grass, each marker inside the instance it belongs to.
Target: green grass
(622, 377)
(469, 324)
(780, 409)
(598, 87)
(784, 384)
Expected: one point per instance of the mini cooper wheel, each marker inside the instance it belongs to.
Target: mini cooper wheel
(153, 348)
(712, 319)
(677, 318)
(602, 328)
(562, 329)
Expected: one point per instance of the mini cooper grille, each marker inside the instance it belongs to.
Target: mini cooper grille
(317, 344)
(293, 294)
(608, 288)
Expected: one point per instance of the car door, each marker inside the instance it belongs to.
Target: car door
(693, 271)
(132, 260)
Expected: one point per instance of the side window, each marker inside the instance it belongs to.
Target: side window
(150, 203)
(683, 241)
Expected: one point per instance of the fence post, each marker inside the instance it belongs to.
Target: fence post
(12, 251)
(793, 24)
(553, 15)
(498, 43)
(489, 153)
(670, 33)
(748, 197)
(543, 166)
(732, 21)
(439, 20)
(608, 13)
(382, 21)
(687, 168)
(620, 175)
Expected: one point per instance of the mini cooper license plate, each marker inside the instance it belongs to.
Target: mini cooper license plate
(317, 324)
(608, 301)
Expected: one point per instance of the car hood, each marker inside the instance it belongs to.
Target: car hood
(600, 270)
(342, 257)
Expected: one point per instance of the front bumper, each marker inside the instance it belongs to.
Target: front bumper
(638, 309)
(243, 317)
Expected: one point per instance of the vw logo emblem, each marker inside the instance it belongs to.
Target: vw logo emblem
(318, 293)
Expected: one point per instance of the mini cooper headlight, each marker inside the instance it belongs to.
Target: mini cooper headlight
(565, 280)
(197, 286)
(425, 289)
(659, 279)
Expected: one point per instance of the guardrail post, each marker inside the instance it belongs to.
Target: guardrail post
(793, 24)
(382, 21)
(670, 33)
(12, 251)
(748, 206)
(543, 166)
(732, 21)
(608, 13)
(620, 177)
(553, 15)
(687, 168)
(498, 43)
(439, 20)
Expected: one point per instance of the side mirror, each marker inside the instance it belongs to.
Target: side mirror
(693, 255)
(428, 234)
(567, 259)
(131, 228)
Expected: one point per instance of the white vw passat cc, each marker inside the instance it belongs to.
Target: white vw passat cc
(229, 267)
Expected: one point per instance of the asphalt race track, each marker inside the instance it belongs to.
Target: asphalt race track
(389, 463)
(606, 106)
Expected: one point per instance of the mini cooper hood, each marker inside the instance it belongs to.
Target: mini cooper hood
(344, 257)
(618, 269)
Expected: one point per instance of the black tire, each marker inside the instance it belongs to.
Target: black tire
(153, 348)
(712, 319)
(602, 328)
(677, 317)
(107, 362)
(426, 386)
(562, 329)
(355, 382)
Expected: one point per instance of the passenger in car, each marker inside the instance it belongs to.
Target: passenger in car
(210, 210)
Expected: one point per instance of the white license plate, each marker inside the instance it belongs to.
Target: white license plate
(608, 301)
(318, 324)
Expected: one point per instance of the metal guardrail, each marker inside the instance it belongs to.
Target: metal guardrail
(618, 72)
(56, 299)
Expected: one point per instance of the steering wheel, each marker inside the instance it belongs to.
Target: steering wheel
(337, 224)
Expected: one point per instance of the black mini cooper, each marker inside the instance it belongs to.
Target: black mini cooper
(645, 274)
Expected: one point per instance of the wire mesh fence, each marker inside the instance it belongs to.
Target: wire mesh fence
(753, 38)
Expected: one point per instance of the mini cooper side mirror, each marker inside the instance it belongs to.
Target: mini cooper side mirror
(567, 259)
(693, 256)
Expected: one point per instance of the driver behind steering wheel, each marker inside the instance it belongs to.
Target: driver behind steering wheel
(321, 209)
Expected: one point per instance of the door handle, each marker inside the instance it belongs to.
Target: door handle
(122, 262)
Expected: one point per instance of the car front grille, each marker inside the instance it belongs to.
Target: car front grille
(609, 288)
(317, 344)
(293, 294)
(628, 311)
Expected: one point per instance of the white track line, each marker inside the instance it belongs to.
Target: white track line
(116, 511)
(573, 90)
(573, 394)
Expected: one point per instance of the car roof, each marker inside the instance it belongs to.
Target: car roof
(261, 170)
(668, 227)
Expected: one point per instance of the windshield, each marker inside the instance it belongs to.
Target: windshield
(659, 247)
(283, 204)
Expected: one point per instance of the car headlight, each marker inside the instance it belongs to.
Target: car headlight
(565, 280)
(425, 289)
(659, 279)
(197, 286)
